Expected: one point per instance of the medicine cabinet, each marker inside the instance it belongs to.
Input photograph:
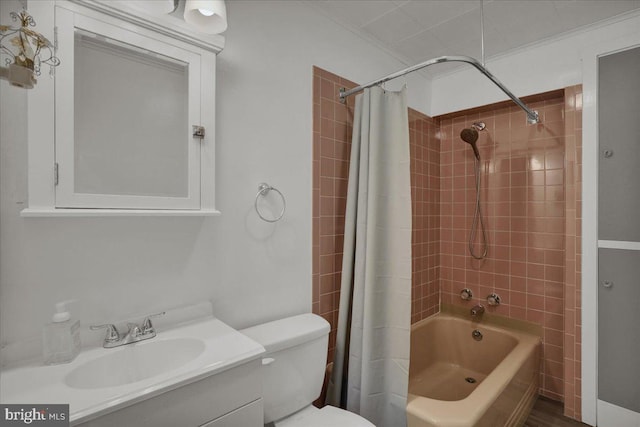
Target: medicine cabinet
(126, 125)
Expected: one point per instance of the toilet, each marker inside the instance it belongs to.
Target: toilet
(293, 370)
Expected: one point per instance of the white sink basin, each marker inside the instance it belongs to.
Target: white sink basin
(135, 362)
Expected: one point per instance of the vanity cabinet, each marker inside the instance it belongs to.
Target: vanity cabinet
(248, 415)
(228, 399)
(138, 385)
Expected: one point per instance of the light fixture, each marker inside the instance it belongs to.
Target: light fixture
(27, 51)
(153, 6)
(207, 16)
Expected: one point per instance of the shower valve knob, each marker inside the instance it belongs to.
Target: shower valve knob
(466, 294)
(493, 299)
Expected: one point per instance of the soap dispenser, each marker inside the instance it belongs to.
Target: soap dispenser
(61, 337)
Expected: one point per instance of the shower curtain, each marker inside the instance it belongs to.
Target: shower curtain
(370, 373)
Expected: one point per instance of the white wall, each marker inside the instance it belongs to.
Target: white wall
(554, 64)
(126, 267)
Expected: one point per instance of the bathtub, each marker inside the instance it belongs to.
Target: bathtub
(457, 381)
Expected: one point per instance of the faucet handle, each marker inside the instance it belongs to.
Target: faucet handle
(112, 332)
(147, 326)
(493, 299)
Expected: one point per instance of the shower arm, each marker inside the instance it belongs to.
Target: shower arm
(532, 116)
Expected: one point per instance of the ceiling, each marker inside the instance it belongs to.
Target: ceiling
(416, 30)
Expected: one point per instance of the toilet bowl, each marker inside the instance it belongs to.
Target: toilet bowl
(293, 369)
(329, 416)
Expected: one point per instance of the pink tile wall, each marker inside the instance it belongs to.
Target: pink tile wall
(524, 193)
(332, 127)
(425, 199)
(523, 201)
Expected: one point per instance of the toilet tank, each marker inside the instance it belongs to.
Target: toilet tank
(294, 364)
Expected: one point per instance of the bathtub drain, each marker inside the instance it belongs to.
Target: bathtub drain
(470, 380)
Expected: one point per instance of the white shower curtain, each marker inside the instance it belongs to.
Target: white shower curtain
(376, 274)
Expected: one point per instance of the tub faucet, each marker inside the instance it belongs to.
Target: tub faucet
(477, 310)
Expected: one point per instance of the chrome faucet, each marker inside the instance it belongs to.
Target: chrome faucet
(477, 310)
(113, 338)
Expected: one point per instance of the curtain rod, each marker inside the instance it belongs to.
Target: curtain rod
(532, 116)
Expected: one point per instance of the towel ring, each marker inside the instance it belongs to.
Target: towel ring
(263, 190)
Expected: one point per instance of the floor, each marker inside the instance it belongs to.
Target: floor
(548, 413)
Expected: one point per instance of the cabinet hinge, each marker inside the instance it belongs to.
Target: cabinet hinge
(55, 38)
(55, 174)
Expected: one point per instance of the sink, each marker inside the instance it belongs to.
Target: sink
(134, 362)
(165, 378)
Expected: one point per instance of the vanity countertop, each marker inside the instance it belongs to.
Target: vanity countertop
(223, 348)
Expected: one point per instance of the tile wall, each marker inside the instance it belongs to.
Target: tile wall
(522, 197)
(425, 202)
(530, 201)
(332, 127)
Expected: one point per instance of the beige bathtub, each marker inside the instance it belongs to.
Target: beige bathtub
(455, 380)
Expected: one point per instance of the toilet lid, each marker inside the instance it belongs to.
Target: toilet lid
(329, 416)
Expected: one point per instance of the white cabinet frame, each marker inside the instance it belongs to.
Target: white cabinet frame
(41, 106)
(595, 411)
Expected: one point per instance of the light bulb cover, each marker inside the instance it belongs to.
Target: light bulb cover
(213, 21)
(206, 12)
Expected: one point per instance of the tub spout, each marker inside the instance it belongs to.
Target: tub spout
(477, 310)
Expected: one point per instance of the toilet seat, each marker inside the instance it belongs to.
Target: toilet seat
(329, 416)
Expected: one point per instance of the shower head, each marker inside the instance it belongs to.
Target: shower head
(470, 136)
